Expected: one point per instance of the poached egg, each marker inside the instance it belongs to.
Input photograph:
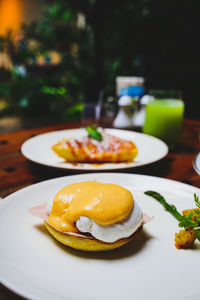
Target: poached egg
(106, 211)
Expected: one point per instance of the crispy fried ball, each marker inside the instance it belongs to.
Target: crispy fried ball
(185, 238)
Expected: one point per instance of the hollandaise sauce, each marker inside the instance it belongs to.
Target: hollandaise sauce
(105, 203)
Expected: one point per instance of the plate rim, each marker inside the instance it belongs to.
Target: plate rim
(78, 168)
(96, 174)
(19, 291)
(195, 163)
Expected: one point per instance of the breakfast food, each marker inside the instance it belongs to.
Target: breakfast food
(90, 148)
(186, 237)
(92, 216)
(189, 220)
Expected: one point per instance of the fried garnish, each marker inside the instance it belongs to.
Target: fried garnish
(195, 213)
(189, 220)
(185, 238)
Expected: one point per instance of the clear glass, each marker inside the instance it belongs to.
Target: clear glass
(91, 114)
(109, 110)
(164, 116)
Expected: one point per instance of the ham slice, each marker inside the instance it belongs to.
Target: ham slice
(40, 211)
(146, 218)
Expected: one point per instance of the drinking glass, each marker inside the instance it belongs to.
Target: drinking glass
(164, 116)
(91, 114)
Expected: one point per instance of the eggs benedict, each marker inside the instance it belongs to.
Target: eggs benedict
(93, 216)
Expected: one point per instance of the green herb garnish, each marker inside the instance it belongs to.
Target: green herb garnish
(188, 222)
(196, 199)
(94, 133)
(191, 221)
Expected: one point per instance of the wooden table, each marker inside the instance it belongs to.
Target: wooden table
(17, 172)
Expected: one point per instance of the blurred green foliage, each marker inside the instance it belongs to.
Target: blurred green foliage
(48, 88)
(150, 38)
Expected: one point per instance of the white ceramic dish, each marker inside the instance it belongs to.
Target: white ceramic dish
(38, 149)
(196, 163)
(35, 266)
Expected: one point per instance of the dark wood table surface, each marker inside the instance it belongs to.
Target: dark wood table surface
(17, 172)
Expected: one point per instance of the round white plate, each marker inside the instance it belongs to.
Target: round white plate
(35, 266)
(196, 163)
(38, 149)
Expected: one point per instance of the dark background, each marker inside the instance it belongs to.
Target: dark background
(155, 39)
(158, 40)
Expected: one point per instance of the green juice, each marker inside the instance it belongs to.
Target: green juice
(164, 118)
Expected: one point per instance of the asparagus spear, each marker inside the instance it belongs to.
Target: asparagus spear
(190, 221)
(170, 208)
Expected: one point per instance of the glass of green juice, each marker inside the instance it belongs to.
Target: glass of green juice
(164, 118)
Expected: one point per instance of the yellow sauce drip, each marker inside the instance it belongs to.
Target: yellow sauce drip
(105, 203)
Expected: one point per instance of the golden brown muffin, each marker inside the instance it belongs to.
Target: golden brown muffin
(87, 243)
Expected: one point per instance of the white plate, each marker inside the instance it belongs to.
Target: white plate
(35, 266)
(196, 163)
(38, 149)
